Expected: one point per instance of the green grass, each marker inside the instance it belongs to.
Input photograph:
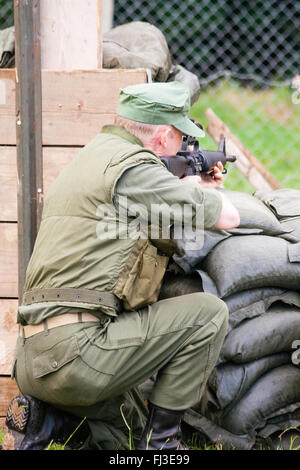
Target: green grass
(266, 122)
(192, 444)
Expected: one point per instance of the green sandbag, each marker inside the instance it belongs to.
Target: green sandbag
(261, 336)
(283, 202)
(262, 261)
(255, 302)
(275, 393)
(254, 214)
(137, 45)
(229, 382)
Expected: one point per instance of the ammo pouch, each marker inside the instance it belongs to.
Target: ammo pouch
(140, 281)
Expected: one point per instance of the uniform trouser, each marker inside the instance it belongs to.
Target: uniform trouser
(79, 367)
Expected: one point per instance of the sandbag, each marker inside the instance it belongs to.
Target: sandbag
(283, 202)
(260, 438)
(142, 45)
(180, 74)
(275, 393)
(137, 45)
(261, 336)
(287, 420)
(229, 382)
(249, 297)
(174, 285)
(255, 219)
(254, 214)
(262, 261)
(291, 298)
(216, 434)
(190, 251)
(294, 224)
(255, 302)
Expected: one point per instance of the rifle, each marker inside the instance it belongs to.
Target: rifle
(190, 160)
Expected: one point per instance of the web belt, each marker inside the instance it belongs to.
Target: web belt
(70, 294)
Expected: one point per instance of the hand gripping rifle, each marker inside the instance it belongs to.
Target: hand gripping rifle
(190, 160)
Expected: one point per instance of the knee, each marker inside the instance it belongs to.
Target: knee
(211, 306)
(220, 308)
(217, 308)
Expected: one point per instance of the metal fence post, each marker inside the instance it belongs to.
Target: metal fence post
(28, 129)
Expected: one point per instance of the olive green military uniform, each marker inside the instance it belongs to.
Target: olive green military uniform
(80, 367)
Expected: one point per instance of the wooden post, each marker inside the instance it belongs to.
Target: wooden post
(107, 15)
(249, 166)
(71, 34)
(28, 129)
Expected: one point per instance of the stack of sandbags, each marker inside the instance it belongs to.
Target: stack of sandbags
(139, 44)
(285, 204)
(254, 390)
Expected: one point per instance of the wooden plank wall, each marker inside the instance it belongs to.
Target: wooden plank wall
(76, 105)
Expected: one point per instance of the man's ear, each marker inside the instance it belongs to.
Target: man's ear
(163, 137)
(159, 142)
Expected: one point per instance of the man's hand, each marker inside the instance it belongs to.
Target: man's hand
(211, 180)
(214, 178)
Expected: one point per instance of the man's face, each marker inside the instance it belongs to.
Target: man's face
(173, 141)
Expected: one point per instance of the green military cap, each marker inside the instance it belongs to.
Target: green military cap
(159, 103)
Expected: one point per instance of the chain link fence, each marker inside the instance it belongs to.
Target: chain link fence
(6, 13)
(245, 55)
(259, 38)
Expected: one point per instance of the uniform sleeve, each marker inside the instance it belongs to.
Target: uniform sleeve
(149, 184)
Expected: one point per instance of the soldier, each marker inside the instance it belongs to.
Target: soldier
(91, 327)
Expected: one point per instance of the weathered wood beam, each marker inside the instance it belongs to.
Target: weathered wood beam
(250, 167)
(29, 129)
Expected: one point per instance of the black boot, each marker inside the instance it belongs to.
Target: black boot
(33, 424)
(162, 430)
